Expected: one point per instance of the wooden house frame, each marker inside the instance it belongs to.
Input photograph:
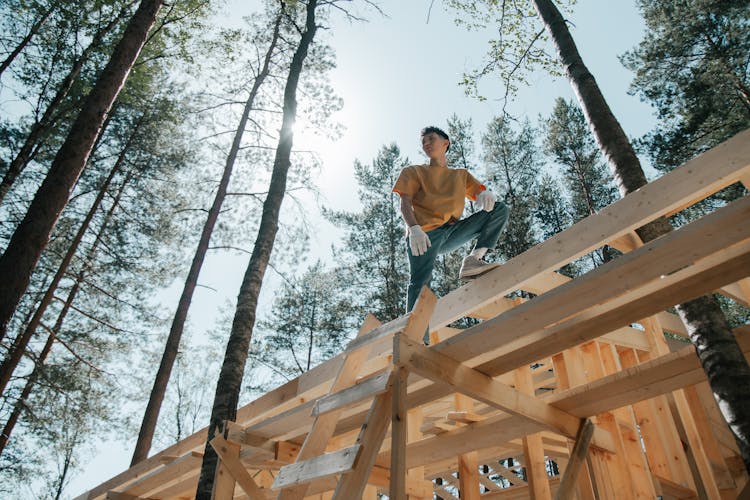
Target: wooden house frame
(581, 375)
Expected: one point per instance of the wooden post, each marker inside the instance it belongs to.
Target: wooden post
(468, 466)
(414, 422)
(536, 465)
(620, 478)
(585, 485)
(624, 418)
(399, 433)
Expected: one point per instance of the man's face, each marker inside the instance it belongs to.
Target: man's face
(433, 145)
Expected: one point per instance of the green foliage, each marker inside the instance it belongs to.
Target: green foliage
(310, 322)
(513, 162)
(522, 46)
(372, 259)
(692, 66)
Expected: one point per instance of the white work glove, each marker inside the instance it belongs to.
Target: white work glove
(486, 201)
(418, 240)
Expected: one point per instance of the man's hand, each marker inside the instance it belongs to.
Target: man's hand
(418, 240)
(486, 201)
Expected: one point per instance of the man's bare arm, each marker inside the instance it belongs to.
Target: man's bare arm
(407, 211)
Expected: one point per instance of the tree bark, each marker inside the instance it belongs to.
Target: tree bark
(32, 235)
(22, 341)
(41, 127)
(39, 362)
(230, 378)
(720, 356)
(32, 32)
(151, 415)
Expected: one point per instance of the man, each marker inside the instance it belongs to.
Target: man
(432, 201)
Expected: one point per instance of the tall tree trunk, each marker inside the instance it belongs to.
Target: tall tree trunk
(22, 341)
(42, 357)
(230, 378)
(32, 32)
(32, 235)
(42, 126)
(720, 356)
(151, 415)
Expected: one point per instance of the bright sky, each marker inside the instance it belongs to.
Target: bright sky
(397, 75)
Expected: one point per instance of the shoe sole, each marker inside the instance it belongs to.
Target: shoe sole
(474, 273)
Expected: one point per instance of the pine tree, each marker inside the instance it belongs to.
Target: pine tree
(373, 260)
(311, 320)
(30, 238)
(513, 163)
(692, 66)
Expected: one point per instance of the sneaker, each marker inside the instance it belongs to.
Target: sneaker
(473, 267)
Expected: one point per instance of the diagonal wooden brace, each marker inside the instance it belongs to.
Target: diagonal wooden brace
(443, 369)
(577, 458)
(228, 452)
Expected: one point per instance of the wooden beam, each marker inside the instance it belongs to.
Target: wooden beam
(229, 455)
(362, 390)
(173, 470)
(443, 369)
(325, 465)
(419, 319)
(464, 417)
(698, 178)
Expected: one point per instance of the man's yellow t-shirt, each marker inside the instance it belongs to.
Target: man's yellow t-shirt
(437, 193)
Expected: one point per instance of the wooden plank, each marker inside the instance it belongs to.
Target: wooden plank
(380, 333)
(624, 421)
(577, 459)
(175, 469)
(739, 292)
(464, 417)
(229, 455)
(325, 465)
(224, 482)
(370, 439)
(684, 418)
(670, 489)
(397, 490)
(365, 389)
(421, 314)
(565, 379)
(644, 274)
(439, 367)
(698, 178)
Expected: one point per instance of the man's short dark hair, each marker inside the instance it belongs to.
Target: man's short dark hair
(438, 131)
